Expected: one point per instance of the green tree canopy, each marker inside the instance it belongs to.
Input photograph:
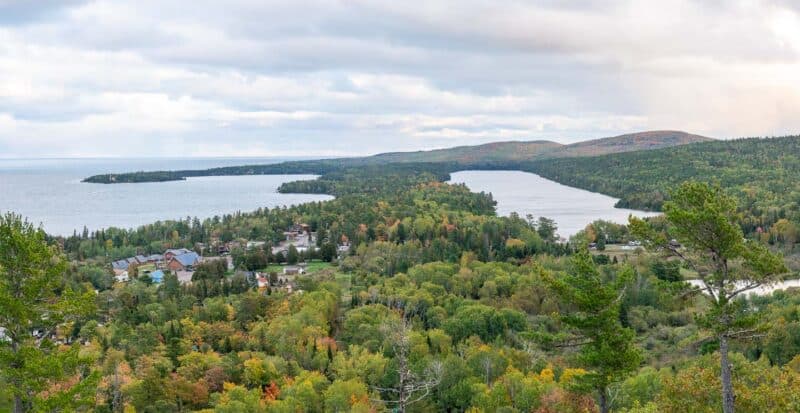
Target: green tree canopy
(32, 306)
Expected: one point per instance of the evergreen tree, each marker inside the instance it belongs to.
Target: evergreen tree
(292, 256)
(607, 348)
(401, 233)
(704, 220)
(328, 252)
(601, 241)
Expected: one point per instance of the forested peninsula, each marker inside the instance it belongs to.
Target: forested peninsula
(498, 155)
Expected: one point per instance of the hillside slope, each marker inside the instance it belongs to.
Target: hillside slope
(521, 151)
(762, 173)
(490, 152)
(627, 143)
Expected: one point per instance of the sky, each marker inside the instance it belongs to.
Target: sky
(326, 78)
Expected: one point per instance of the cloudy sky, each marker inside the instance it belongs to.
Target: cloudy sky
(249, 78)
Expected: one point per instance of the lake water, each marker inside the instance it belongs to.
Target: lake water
(49, 191)
(527, 193)
(762, 290)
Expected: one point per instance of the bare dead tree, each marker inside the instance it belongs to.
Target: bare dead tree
(411, 387)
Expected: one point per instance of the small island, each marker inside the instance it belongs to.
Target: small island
(295, 167)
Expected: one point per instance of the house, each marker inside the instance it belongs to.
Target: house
(157, 276)
(299, 235)
(299, 228)
(255, 244)
(121, 277)
(123, 264)
(171, 253)
(293, 270)
(183, 262)
(303, 242)
(120, 265)
(155, 258)
(184, 277)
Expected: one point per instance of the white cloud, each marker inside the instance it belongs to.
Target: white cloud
(320, 77)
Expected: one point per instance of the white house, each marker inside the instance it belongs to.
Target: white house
(293, 270)
(122, 277)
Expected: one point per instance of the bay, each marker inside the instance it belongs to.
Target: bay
(50, 192)
(527, 193)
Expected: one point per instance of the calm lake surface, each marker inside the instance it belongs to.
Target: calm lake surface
(49, 191)
(763, 290)
(527, 193)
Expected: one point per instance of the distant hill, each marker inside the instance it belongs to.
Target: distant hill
(487, 156)
(531, 150)
(632, 142)
(490, 152)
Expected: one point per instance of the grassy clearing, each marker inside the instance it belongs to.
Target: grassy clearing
(620, 251)
(145, 268)
(311, 267)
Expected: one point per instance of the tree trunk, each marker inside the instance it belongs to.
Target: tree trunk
(603, 400)
(726, 376)
(18, 405)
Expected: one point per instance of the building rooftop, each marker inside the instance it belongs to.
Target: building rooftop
(189, 258)
(157, 276)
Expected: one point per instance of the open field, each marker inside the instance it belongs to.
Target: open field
(311, 267)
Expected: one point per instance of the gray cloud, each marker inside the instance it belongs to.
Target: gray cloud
(319, 77)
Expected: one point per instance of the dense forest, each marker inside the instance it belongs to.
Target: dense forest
(762, 174)
(404, 203)
(437, 305)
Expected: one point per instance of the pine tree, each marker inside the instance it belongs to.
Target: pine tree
(704, 220)
(607, 348)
